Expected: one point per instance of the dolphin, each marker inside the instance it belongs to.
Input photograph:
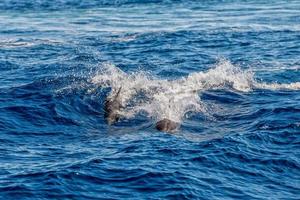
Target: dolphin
(166, 125)
(111, 108)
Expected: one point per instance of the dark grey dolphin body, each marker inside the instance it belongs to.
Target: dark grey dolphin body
(166, 125)
(111, 108)
(113, 105)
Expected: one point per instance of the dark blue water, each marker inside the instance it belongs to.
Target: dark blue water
(54, 140)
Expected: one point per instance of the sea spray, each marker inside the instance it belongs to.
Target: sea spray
(173, 99)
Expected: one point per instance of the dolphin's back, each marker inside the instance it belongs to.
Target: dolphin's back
(166, 125)
(111, 108)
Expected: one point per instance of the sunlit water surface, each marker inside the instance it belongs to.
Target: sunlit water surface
(227, 71)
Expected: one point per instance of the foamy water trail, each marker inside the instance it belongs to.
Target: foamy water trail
(172, 99)
(278, 86)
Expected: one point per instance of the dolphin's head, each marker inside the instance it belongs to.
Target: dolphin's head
(112, 118)
(166, 125)
(112, 107)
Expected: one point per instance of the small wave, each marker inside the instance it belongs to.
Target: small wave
(20, 43)
(161, 98)
(278, 86)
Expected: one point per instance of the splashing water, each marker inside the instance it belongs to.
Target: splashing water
(172, 99)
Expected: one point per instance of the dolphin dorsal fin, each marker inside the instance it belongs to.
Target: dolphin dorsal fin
(116, 96)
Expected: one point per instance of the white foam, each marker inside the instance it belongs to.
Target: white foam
(278, 86)
(172, 99)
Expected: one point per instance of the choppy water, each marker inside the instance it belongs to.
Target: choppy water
(228, 71)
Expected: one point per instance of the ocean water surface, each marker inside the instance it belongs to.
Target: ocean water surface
(227, 71)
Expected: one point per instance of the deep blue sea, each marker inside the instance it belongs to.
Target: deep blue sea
(227, 71)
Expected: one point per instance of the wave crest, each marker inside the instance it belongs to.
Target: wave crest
(172, 99)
